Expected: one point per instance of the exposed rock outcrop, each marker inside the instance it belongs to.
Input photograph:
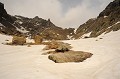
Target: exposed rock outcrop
(38, 39)
(7, 21)
(58, 46)
(18, 40)
(71, 56)
(108, 20)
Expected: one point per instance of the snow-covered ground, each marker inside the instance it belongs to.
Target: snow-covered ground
(22, 62)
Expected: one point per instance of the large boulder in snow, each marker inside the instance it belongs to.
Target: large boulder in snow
(38, 39)
(58, 46)
(16, 40)
(63, 47)
(70, 56)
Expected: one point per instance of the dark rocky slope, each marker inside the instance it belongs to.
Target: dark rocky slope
(19, 25)
(6, 21)
(108, 20)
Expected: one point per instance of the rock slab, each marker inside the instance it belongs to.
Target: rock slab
(70, 56)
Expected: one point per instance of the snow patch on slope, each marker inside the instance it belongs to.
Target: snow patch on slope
(1, 24)
(75, 30)
(28, 40)
(86, 35)
(22, 30)
(18, 17)
(20, 22)
(117, 22)
(69, 37)
(3, 38)
(105, 16)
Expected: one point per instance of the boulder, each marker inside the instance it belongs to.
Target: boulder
(63, 47)
(38, 39)
(51, 45)
(58, 46)
(49, 52)
(28, 45)
(16, 40)
(70, 56)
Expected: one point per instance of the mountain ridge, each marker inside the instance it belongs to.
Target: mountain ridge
(19, 25)
(107, 21)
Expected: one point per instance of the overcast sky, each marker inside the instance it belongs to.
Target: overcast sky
(63, 13)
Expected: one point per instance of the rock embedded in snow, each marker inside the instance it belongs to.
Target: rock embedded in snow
(70, 56)
(18, 40)
(58, 46)
(63, 47)
(87, 35)
(38, 39)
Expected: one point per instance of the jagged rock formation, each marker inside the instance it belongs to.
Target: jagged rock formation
(6, 22)
(19, 25)
(108, 20)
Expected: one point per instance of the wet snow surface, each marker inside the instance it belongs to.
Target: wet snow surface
(22, 62)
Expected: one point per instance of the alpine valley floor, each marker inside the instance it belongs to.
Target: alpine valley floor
(22, 62)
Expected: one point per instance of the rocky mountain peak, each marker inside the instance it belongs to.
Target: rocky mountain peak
(1, 5)
(49, 20)
(107, 21)
(112, 7)
(36, 18)
(3, 12)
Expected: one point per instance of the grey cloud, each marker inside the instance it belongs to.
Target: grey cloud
(67, 4)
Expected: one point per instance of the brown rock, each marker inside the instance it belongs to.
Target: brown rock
(38, 39)
(49, 52)
(59, 46)
(18, 40)
(71, 56)
(29, 45)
